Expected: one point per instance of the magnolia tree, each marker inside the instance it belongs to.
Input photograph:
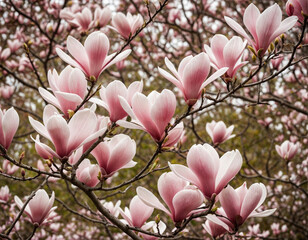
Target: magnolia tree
(136, 119)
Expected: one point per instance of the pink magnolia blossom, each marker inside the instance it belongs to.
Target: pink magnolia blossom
(126, 25)
(276, 61)
(4, 54)
(14, 45)
(69, 89)
(110, 98)
(6, 91)
(218, 131)
(298, 8)
(191, 75)
(160, 226)
(87, 173)
(39, 208)
(114, 209)
(4, 194)
(174, 135)
(91, 58)
(264, 27)
(226, 53)
(102, 16)
(138, 212)
(206, 170)
(181, 198)
(240, 204)
(8, 168)
(66, 137)
(9, 121)
(115, 154)
(287, 149)
(215, 230)
(83, 19)
(151, 114)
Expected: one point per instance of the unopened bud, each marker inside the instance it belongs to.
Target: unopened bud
(21, 157)
(100, 176)
(23, 173)
(254, 58)
(70, 113)
(282, 37)
(70, 3)
(272, 47)
(1, 170)
(157, 219)
(276, 41)
(252, 50)
(154, 164)
(49, 163)
(260, 51)
(26, 47)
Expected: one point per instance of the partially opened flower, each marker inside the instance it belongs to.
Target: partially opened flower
(287, 149)
(110, 98)
(91, 58)
(214, 229)
(191, 75)
(66, 137)
(114, 209)
(206, 170)
(115, 154)
(39, 208)
(9, 168)
(159, 227)
(264, 27)
(102, 16)
(4, 194)
(126, 25)
(181, 198)
(298, 8)
(87, 173)
(218, 131)
(9, 121)
(151, 114)
(6, 91)
(83, 19)
(241, 203)
(226, 53)
(69, 89)
(138, 212)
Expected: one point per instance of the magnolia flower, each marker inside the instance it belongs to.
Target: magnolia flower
(218, 131)
(83, 19)
(138, 212)
(114, 209)
(214, 229)
(102, 16)
(115, 154)
(151, 114)
(91, 58)
(156, 227)
(110, 98)
(4, 54)
(8, 168)
(226, 53)
(239, 204)
(9, 121)
(206, 170)
(66, 137)
(87, 173)
(264, 27)
(181, 198)
(126, 25)
(39, 208)
(4, 194)
(287, 149)
(191, 75)
(69, 89)
(6, 91)
(298, 8)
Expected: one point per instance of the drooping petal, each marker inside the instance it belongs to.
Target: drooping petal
(230, 202)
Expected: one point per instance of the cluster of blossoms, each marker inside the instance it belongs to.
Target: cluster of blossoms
(88, 151)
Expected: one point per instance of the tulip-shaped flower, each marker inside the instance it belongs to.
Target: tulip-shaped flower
(110, 98)
(115, 154)
(39, 208)
(126, 25)
(218, 131)
(114, 209)
(66, 137)
(264, 27)
(91, 58)
(83, 19)
(4, 194)
(287, 149)
(6, 91)
(206, 170)
(87, 173)
(138, 212)
(214, 229)
(174, 135)
(191, 75)
(240, 204)
(8, 168)
(181, 198)
(69, 89)
(226, 53)
(159, 227)
(9, 121)
(102, 16)
(298, 8)
(151, 114)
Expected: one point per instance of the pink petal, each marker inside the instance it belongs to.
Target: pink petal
(49, 97)
(250, 18)
(139, 211)
(185, 173)
(218, 44)
(236, 27)
(230, 202)
(10, 122)
(66, 58)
